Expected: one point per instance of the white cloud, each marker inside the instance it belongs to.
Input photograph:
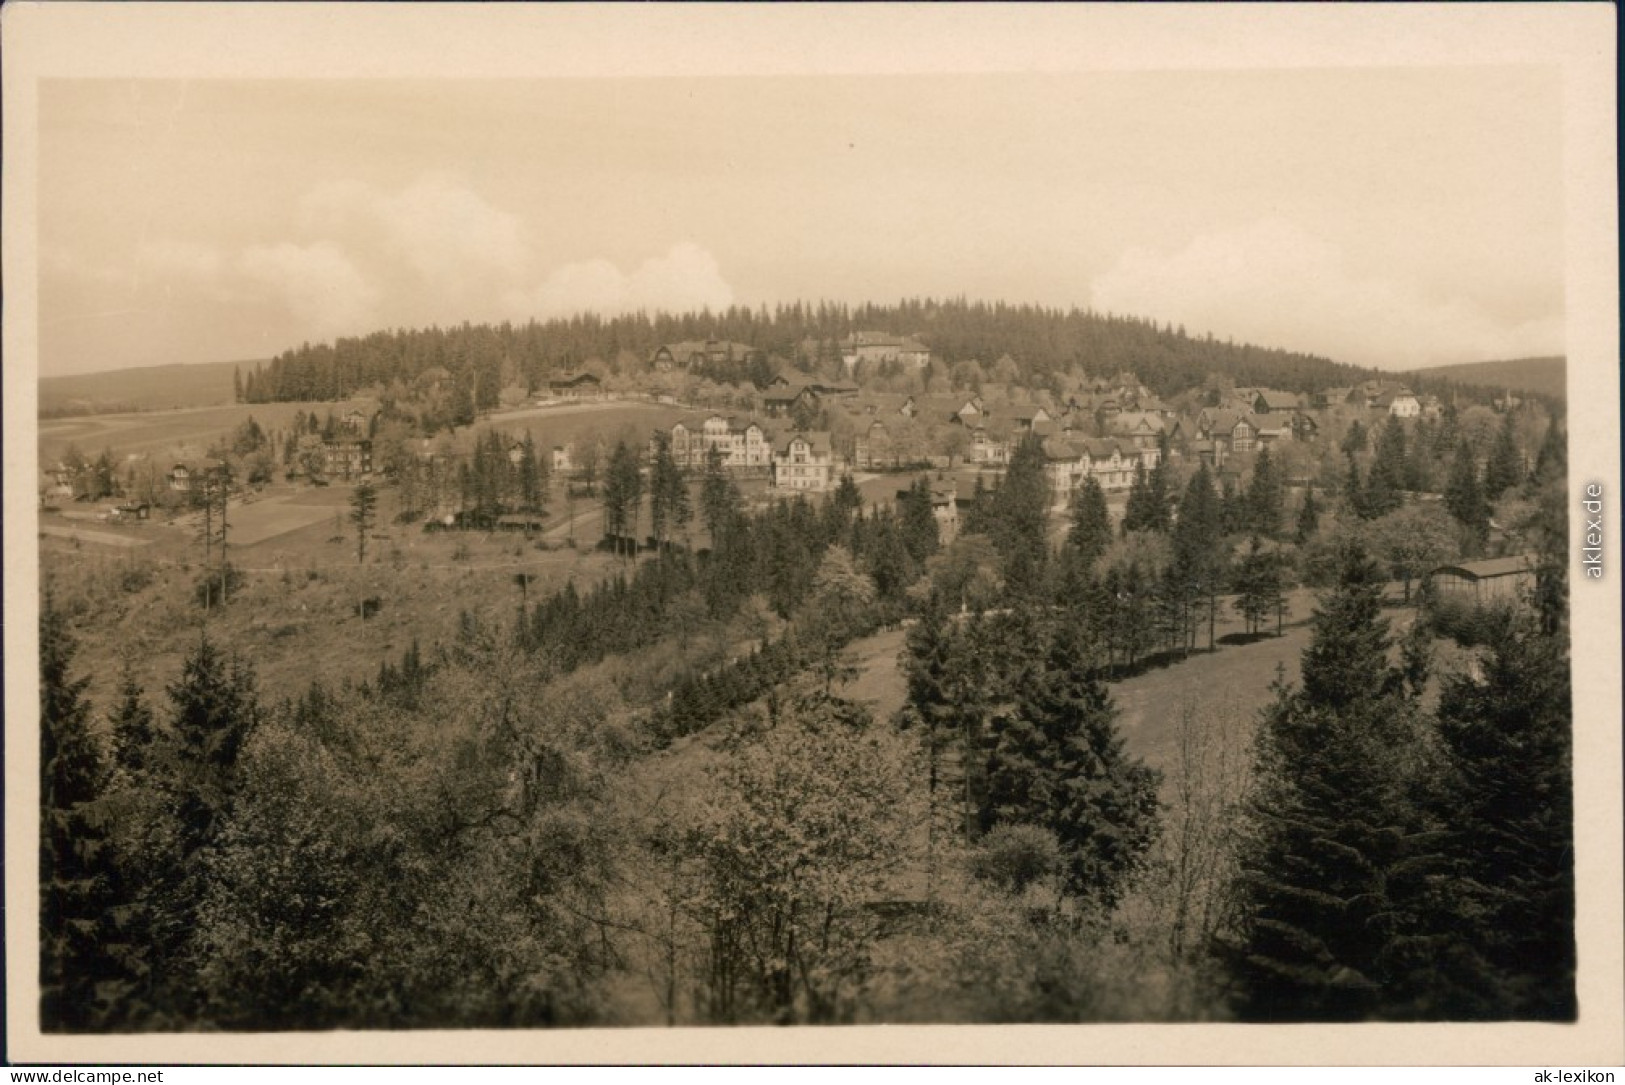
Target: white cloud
(686, 278)
(322, 289)
(451, 238)
(1274, 284)
(357, 258)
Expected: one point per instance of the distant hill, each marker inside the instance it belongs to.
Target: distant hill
(1542, 376)
(151, 388)
(473, 362)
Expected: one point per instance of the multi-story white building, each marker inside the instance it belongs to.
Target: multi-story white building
(743, 443)
(1112, 463)
(872, 347)
(803, 461)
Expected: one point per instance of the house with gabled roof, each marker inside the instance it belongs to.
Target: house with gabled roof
(1328, 398)
(1272, 428)
(1235, 431)
(1143, 430)
(582, 385)
(969, 411)
(780, 400)
(1020, 418)
(990, 443)
(1063, 466)
(1397, 403)
(695, 354)
(1270, 401)
(348, 456)
(804, 461)
(1111, 464)
(1381, 395)
(744, 443)
(877, 347)
(1069, 460)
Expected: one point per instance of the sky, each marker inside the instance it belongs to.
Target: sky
(1394, 217)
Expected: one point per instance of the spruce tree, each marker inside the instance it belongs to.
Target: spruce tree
(664, 482)
(1551, 462)
(1139, 513)
(1198, 546)
(1257, 584)
(623, 492)
(719, 499)
(1090, 532)
(919, 521)
(1266, 495)
(1159, 502)
(213, 709)
(1308, 518)
(134, 731)
(1058, 761)
(1355, 496)
(1464, 498)
(1505, 467)
(532, 476)
(1334, 859)
(1355, 440)
(1232, 513)
(1510, 805)
(1384, 485)
(363, 514)
(1019, 518)
(77, 871)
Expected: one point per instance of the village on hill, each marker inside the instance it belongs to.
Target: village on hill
(885, 411)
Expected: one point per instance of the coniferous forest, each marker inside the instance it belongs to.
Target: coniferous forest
(481, 358)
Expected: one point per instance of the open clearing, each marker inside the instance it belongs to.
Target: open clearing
(573, 424)
(270, 517)
(180, 433)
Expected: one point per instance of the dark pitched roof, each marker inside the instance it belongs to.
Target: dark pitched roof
(818, 440)
(1490, 567)
(1279, 401)
(568, 380)
(1129, 421)
(1102, 448)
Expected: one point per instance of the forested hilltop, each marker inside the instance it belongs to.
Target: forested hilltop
(483, 358)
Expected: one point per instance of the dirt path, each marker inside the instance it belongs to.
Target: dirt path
(104, 538)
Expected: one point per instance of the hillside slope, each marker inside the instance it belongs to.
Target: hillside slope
(149, 388)
(1543, 376)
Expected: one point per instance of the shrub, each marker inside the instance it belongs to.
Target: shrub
(215, 587)
(135, 578)
(1468, 624)
(1013, 857)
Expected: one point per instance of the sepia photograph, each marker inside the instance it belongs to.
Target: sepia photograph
(716, 519)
